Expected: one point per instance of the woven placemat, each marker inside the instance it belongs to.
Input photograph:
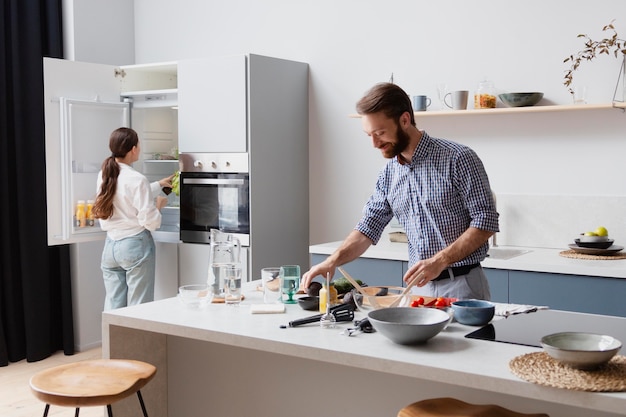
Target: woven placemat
(576, 255)
(541, 369)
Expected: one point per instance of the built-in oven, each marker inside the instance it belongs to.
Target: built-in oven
(214, 194)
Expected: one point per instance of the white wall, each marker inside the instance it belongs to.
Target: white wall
(352, 44)
(99, 31)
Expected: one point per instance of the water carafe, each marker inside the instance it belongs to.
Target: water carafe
(225, 253)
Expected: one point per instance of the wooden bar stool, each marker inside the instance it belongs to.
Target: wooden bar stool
(451, 407)
(92, 383)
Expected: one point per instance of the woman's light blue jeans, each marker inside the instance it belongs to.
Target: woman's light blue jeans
(128, 268)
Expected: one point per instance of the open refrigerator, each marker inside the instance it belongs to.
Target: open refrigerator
(84, 103)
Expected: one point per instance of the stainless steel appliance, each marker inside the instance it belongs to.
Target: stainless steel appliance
(214, 194)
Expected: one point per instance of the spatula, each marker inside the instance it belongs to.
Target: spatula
(352, 281)
(406, 290)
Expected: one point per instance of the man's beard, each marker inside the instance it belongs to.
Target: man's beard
(395, 149)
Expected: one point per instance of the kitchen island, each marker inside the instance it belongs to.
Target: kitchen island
(225, 361)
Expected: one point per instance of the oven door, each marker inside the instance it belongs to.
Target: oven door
(213, 201)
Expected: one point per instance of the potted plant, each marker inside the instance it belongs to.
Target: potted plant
(611, 45)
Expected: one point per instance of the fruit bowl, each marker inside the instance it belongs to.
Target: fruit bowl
(581, 350)
(595, 244)
(520, 99)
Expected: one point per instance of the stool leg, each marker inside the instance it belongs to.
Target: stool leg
(76, 412)
(45, 411)
(109, 410)
(143, 407)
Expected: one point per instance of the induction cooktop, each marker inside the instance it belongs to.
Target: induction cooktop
(528, 329)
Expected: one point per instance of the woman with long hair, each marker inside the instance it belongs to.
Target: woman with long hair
(128, 208)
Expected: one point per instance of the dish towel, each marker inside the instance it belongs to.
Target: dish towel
(506, 310)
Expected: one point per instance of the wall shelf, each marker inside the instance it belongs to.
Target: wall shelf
(517, 110)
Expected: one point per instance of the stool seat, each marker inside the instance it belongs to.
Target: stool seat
(451, 407)
(92, 382)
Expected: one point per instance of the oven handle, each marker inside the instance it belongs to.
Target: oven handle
(214, 181)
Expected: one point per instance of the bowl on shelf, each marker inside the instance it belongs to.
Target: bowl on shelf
(520, 99)
(581, 350)
(473, 312)
(603, 243)
(195, 296)
(309, 303)
(407, 325)
(377, 297)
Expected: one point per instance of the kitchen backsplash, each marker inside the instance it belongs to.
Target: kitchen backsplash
(553, 221)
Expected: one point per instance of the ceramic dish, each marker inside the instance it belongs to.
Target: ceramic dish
(595, 245)
(593, 251)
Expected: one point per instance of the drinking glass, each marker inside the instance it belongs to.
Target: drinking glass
(442, 90)
(272, 292)
(290, 282)
(232, 284)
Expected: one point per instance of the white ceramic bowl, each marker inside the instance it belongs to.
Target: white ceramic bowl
(407, 325)
(593, 239)
(195, 296)
(581, 350)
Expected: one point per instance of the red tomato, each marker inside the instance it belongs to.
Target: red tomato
(440, 302)
(415, 303)
(420, 301)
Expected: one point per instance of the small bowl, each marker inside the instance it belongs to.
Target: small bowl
(581, 350)
(195, 296)
(473, 312)
(597, 244)
(409, 326)
(309, 303)
(520, 99)
(379, 297)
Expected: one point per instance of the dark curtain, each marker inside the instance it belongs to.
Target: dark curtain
(35, 292)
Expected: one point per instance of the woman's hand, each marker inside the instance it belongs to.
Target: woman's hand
(166, 182)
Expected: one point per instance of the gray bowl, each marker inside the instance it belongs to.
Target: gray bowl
(520, 99)
(407, 325)
(473, 312)
(581, 350)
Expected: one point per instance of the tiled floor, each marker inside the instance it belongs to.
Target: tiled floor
(16, 399)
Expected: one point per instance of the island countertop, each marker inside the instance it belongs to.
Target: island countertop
(536, 259)
(467, 368)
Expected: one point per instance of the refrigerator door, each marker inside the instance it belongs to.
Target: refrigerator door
(85, 129)
(82, 108)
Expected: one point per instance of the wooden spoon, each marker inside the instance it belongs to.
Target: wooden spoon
(352, 281)
(406, 290)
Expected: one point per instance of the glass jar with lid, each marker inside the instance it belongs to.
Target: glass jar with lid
(485, 96)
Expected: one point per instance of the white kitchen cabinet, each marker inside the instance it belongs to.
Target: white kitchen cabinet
(212, 104)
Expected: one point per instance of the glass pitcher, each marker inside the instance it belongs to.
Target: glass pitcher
(225, 253)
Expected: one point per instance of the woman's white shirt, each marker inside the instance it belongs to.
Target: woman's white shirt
(133, 205)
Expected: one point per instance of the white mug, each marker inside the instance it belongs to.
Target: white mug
(458, 98)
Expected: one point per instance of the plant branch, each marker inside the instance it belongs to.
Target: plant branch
(611, 45)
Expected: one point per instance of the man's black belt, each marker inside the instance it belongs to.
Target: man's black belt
(457, 271)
